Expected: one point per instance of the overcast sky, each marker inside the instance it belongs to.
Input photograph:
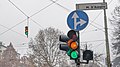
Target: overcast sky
(50, 15)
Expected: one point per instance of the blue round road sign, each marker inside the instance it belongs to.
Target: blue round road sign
(77, 20)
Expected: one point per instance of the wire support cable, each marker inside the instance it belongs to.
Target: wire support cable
(37, 23)
(92, 41)
(12, 27)
(18, 8)
(96, 18)
(12, 30)
(60, 5)
(43, 8)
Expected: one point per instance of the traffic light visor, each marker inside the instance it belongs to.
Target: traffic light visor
(72, 35)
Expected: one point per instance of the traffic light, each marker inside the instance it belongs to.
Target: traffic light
(26, 30)
(71, 45)
(88, 55)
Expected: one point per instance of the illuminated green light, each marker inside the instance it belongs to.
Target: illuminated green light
(26, 33)
(74, 55)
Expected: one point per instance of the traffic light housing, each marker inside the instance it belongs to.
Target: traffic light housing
(88, 55)
(71, 45)
(26, 30)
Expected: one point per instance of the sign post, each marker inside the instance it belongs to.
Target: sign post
(98, 6)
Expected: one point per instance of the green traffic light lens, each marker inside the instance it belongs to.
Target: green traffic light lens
(26, 33)
(74, 55)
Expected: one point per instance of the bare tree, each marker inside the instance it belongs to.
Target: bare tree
(9, 57)
(115, 21)
(45, 48)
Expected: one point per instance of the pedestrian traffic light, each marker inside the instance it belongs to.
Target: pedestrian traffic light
(88, 55)
(26, 30)
(71, 45)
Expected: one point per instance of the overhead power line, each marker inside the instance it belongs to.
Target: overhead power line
(92, 41)
(44, 8)
(37, 23)
(13, 30)
(12, 27)
(98, 45)
(31, 15)
(96, 23)
(92, 21)
(24, 19)
(17, 8)
(60, 5)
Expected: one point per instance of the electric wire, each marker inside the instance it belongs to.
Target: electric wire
(95, 19)
(60, 5)
(17, 8)
(40, 11)
(37, 23)
(110, 2)
(92, 21)
(43, 8)
(12, 27)
(12, 30)
(101, 30)
(92, 41)
(27, 16)
(21, 21)
(97, 45)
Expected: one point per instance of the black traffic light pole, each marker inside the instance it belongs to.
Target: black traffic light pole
(78, 60)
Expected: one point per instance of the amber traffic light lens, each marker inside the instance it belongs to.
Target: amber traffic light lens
(74, 45)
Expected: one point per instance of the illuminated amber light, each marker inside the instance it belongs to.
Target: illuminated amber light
(74, 45)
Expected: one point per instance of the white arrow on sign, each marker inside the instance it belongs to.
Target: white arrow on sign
(81, 22)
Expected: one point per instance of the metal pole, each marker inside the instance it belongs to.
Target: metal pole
(78, 60)
(106, 37)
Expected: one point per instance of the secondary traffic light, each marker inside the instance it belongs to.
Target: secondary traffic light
(26, 30)
(71, 45)
(88, 55)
